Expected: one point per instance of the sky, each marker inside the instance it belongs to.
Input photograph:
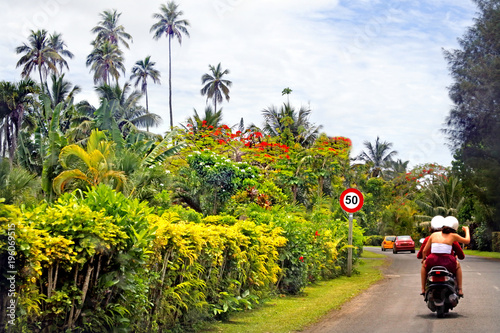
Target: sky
(365, 68)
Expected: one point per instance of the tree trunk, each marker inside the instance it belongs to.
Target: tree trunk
(170, 82)
(85, 288)
(40, 74)
(147, 104)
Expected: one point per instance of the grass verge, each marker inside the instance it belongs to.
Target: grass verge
(293, 313)
(494, 255)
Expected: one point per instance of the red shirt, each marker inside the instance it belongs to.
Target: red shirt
(456, 249)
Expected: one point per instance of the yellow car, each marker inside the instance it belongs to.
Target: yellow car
(388, 242)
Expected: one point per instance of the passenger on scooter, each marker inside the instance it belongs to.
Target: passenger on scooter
(439, 245)
(437, 223)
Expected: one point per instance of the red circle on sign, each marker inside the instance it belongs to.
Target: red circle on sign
(351, 200)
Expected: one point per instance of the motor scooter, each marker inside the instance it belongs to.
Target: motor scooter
(441, 291)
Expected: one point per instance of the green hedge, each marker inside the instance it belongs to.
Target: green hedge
(373, 240)
(97, 261)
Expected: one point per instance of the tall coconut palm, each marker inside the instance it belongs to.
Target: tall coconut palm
(141, 72)
(287, 91)
(14, 99)
(214, 86)
(171, 25)
(106, 60)
(290, 125)
(38, 54)
(377, 155)
(108, 30)
(57, 44)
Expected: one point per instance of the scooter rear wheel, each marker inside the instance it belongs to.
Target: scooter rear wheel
(440, 311)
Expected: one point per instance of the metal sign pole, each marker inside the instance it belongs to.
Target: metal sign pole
(349, 250)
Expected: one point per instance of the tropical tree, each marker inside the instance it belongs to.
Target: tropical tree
(444, 196)
(171, 25)
(287, 91)
(377, 155)
(211, 119)
(61, 91)
(126, 111)
(57, 44)
(142, 160)
(106, 60)
(16, 184)
(40, 54)
(108, 30)
(395, 168)
(290, 125)
(141, 72)
(215, 87)
(15, 98)
(92, 164)
(472, 125)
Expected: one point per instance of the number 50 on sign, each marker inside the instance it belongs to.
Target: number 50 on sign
(351, 200)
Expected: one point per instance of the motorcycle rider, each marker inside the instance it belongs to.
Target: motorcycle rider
(437, 224)
(437, 251)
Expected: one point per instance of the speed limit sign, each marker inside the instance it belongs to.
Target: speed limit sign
(351, 200)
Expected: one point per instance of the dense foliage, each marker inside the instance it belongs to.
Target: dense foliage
(473, 125)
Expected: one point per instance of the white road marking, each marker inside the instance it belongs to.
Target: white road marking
(478, 273)
(497, 289)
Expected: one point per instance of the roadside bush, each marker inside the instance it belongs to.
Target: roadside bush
(373, 240)
(316, 248)
(202, 270)
(495, 243)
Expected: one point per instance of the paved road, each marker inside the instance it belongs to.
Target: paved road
(394, 304)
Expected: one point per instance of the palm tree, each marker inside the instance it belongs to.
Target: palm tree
(16, 184)
(211, 118)
(444, 196)
(287, 91)
(38, 54)
(125, 109)
(377, 155)
(106, 60)
(95, 164)
(396, 168)
(143, 70)
(61, 90)
(171, 25)
(290, 125)
(109, 31)
(14, 99)
(57, 44)
(214, 86)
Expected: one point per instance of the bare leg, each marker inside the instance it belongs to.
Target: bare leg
(459, 279)
(423, 276)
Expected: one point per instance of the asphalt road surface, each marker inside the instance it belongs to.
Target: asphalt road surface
(395, 305)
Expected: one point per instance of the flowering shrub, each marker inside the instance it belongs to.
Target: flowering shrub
(206, 268)
(316, 246)
(220, 178)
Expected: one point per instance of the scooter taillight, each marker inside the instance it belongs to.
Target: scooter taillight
(435, 278)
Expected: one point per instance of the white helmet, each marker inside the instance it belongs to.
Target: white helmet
(437, 222)
(452, 222)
